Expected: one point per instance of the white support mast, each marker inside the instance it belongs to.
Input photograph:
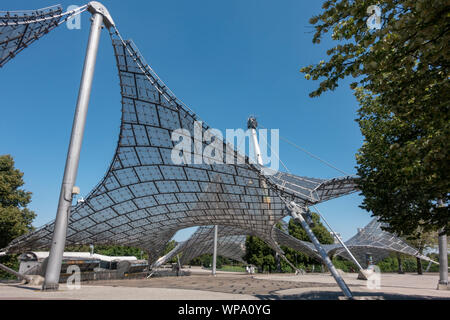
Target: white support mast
(297, 213)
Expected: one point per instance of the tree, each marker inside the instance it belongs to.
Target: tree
(206, 260)
(169, 247)
(403, 89)
(423, 241)
(111, 250)
(395, 179)
(258, 253)
(323, 235)
(15, 218)
(295, 229)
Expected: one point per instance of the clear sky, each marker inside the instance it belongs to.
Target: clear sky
(226, 59)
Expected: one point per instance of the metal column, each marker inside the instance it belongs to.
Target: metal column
(443, 256)
(216, 228)
(443, 259)
(73, 156)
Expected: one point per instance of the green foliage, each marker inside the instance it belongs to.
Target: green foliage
(390, 264)
(409, 264)
(12, 262)
(261, 255)
(15, 218)
(118, 251)
(206, 260)
(110, 250)
(169, 247)
(299, 259)
(402, 86)
(319, 230)
(400, 180)
(434, 267)
(232, 268)
(344, 265)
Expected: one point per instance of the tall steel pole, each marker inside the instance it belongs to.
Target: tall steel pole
(73, 156)
(216, 228)
(443, 259)
(443, 256)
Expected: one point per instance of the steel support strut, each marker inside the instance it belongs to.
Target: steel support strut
(70, 173)
(17, 274)
(296, 213)
(338, 238)
(214, 264)
(252, 125)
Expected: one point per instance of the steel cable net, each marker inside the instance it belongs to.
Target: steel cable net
(18, 29)
(230, 243)
(144, 198)
(371, 240)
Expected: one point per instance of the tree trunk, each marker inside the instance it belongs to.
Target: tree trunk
(419, 266)
(419, 262)
(277, 259)
(400, 266)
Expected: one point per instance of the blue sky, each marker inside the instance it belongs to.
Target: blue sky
(225, 59)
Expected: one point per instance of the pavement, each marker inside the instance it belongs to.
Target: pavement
(390, 287)
(238, 286)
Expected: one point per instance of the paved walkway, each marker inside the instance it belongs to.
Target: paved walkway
(391, 286)
(237, 286)
(88, 292)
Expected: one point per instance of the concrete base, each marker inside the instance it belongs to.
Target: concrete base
(34, 280)
(442, 286)
(365, 274)
(51, 287)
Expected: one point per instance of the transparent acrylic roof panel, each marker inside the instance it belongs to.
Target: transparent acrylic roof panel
(145, 198)
(18, 29)
(284, 239)
(230, 244)
(371, 239)
(233, 240)
(379, 243)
